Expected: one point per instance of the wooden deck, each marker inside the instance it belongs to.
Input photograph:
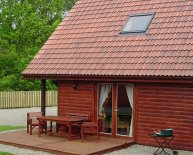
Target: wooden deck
(61, 145)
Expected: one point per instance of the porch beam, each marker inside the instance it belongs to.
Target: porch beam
(43, 96)
(114, 110)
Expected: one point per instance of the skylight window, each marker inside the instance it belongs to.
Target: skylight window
(137, 23)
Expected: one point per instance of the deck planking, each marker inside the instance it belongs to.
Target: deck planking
(61, 145)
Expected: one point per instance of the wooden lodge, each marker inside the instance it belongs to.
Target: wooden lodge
(129, 62)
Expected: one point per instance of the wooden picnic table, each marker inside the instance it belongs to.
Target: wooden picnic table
(68, 121)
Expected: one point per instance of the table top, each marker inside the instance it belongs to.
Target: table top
(61, 119)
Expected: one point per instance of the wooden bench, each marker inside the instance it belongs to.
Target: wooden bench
(86, 117)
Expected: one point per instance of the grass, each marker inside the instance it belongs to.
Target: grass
(5, 153)
(7, 127)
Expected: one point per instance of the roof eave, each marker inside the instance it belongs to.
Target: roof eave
(113, 78)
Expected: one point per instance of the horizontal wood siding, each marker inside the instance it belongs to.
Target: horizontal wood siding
(80, 100)
(165, 106)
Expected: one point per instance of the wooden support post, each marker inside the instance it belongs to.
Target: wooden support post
(43, 96)
(134, 115)
(114, 109)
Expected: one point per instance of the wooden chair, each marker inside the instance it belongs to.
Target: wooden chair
(32, 121)
(88, 128)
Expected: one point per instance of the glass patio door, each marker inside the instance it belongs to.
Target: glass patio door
(124, 109)
(105, 107)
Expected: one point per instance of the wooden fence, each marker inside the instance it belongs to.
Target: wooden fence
(24, 99)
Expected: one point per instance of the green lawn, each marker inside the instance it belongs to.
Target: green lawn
(7, 127)
(5, 153)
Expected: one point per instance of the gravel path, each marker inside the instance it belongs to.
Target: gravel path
(18, 117)
(144, 150)
(20, 151)
(133, 150)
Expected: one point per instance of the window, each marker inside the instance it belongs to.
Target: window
(137, 23)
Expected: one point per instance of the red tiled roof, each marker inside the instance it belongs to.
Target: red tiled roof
(87, 42)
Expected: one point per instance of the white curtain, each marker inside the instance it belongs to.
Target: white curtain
(104, 91)
(129, 89)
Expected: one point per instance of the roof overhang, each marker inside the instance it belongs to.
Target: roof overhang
(111, 78)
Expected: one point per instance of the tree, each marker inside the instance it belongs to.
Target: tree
(24, 26)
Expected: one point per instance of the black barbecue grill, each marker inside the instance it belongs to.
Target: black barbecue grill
(163, 139)
(165, 133)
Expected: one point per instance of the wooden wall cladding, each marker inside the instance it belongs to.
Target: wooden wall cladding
(80, 100)
(165, 106)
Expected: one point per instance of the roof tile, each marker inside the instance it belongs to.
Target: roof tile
(88, 41)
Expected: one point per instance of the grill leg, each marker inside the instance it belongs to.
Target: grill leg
(163, 145)
(160, 148)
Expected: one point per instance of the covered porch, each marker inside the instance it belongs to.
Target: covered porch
(61, 145)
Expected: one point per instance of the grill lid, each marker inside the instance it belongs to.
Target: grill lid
(165, 132)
